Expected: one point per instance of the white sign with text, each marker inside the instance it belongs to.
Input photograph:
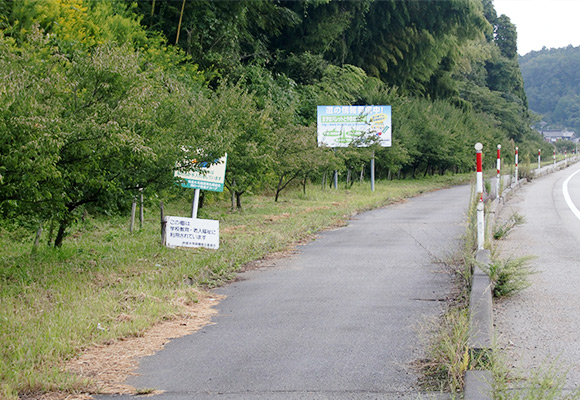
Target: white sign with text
(192, 232)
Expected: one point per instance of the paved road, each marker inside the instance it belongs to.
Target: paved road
(339, 320)
(542, 324)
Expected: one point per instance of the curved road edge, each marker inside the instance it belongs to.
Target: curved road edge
(479, 383)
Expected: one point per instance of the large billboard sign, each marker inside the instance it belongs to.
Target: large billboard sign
(340, 126)
(206, 177)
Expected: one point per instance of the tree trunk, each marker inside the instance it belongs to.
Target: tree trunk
(239, 200)
(233, 199)
(278, 189)
(61, 233)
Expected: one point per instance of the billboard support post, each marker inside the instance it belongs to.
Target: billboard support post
(498, 182)
(373, 172)
(195, 204)
(516, 158)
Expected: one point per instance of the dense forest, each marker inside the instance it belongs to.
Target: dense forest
(101, 99)
(552, 80)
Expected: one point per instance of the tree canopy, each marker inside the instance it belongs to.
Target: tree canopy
(552, 84)
(102, 99)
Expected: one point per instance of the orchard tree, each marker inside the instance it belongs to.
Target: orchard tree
(246, 134)
(81, 131)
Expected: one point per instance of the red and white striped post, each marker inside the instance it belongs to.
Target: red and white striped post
(498, 170)
(479, 188)
(554, 157)
(517, 176)
(479, 176)
(539, 160)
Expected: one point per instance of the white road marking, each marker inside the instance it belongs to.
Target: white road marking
(567, 195)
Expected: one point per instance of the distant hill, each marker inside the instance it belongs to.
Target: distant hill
(552, 85)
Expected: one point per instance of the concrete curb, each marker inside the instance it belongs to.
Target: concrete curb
(480, 307)
(479, 383)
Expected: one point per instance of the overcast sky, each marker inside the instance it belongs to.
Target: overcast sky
(550, 23)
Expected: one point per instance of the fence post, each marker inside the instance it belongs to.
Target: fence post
(133, 207)
(141, 218)
(480, 212)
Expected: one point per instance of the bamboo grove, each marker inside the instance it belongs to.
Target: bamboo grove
(100, 100)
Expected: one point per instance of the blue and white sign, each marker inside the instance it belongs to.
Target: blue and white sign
(206, 177)
(339, 126)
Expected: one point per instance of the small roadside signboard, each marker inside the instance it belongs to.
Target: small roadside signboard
(192, 232)
(208, 177)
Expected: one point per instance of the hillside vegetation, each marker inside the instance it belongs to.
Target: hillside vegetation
(97, 105)
(552, 82)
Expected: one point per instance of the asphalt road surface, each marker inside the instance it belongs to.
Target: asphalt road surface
(341, 319)
(540, 327)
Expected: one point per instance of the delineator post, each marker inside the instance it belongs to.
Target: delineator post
(480, 212)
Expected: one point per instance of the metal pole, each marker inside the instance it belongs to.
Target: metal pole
(335, 176)
(141, 219)
(498, 170)
(195, 204)
(517, 176)
(373, 172)
(479, 188)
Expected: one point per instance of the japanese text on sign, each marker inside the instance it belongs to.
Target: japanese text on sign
(192, 232)
(339, 126)
(209, 177)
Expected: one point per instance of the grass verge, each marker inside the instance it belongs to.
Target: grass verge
(105, 283)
